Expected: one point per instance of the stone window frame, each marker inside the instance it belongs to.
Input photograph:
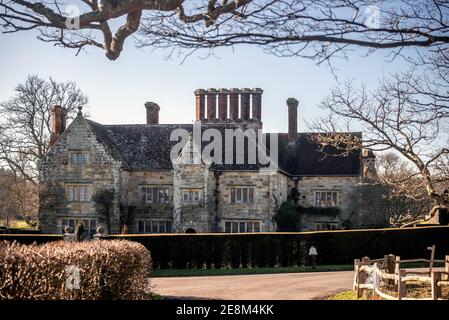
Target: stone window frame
(235, 226)
(91, 227)
(234, 194)
(333, 201)
(149, 197)
(76, 194)
(154, 226)
(76, 155)
(190, 193)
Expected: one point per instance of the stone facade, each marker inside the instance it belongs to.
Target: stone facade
(100, 172)
(153, 194)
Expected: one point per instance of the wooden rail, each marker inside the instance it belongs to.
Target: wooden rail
(374, 274)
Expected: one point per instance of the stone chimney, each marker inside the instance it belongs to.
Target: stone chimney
(292, 104)
(369, 165)
(152, 113)
(58, 123)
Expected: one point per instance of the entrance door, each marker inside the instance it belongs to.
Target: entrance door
(190, 230)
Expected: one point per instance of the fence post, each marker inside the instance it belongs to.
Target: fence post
(397, 265)
(432, 257)
(356, 274)
(446, 267)
(390, 263)
(402, 286)
(375, 282)
(363, 276)
(390, 267)
(436, 290)
(357, 288)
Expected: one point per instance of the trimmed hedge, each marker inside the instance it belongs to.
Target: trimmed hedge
(289, 249)
(31, 238)
(116, 269)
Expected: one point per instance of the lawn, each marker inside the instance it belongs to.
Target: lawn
(345, 295)
(243, 271)
(17, 224)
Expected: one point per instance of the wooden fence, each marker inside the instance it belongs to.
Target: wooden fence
(387, 280)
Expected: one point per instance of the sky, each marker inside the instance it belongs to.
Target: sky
(117, 90)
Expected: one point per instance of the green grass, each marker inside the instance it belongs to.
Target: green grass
(241, 271)
(17, 224)
(345, 295)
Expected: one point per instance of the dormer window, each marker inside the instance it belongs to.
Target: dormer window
(79, 158)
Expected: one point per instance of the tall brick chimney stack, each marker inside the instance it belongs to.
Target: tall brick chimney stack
(292, 104)
(152, 113)
(222, 104)
(58, 123)
(200, 95)
(234, 104)
(211, 104)
(245, 96)
(257, 103)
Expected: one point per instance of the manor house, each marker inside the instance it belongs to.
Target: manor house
(129, 175)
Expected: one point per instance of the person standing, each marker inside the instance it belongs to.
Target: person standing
(312, 255)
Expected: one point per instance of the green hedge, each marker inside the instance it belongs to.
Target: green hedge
(289, 249)
(31, 238)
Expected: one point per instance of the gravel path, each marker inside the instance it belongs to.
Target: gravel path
(286, 286)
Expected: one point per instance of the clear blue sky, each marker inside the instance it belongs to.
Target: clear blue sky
(117, 90)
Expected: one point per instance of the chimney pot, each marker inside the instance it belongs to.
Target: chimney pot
(152, 112)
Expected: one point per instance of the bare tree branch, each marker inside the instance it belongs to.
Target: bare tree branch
(407, 114)
(318, 29)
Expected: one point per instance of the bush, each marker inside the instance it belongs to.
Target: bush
(116, 269)
(287, 217)
(289, 249)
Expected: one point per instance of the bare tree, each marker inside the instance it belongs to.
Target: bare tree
(25, 121)
(18, 199)
(407, 114)
(395, 199)
(313, 28)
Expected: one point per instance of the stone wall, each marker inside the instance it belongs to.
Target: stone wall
(56, 171)
(199, 217)
(132, 201)
(270, 189)
(307, 186)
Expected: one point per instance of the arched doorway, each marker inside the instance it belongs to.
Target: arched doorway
(190, 230)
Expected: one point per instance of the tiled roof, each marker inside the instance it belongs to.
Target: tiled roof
(145, 147)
